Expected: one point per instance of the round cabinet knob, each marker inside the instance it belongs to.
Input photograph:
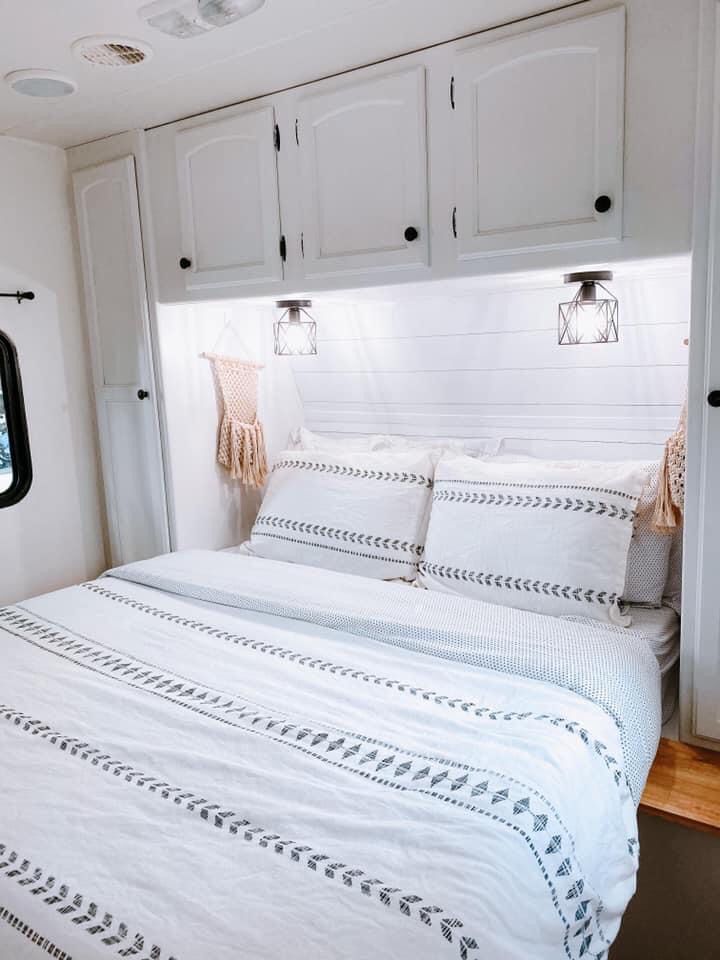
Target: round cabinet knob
(412, 233)
(603, 203)
(714, 398)
(185, 264)
(142, 394)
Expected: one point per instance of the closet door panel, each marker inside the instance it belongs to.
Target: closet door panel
(539, 137)
(229, 203)
(113, 271)
(116, 290)
(130, 456)
(363, 160)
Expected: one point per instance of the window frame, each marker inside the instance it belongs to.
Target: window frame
(14, 406)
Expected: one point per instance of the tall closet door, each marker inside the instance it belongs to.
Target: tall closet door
(701, 604)
(229, 203)
(539, 137)
(363, 159)
(116, 305)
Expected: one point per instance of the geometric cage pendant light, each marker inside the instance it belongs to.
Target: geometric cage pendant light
(592, 315)
(295, 331)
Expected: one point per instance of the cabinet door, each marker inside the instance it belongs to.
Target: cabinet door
(539, 137)
(363, 159)
(116, 305)
(229, 205)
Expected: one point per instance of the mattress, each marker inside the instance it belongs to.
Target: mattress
(209, 755)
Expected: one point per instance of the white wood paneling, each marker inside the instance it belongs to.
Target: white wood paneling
(486, 363)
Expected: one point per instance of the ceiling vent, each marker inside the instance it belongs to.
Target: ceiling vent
(112, 51)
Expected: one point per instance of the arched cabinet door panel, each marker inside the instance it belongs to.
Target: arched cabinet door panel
(539, 121)
(363, 170)
(229, 202)
(113, 269)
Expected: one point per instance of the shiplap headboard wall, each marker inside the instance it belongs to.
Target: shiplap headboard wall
(485, 363)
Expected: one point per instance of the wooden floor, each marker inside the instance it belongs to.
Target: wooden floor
(684, 786)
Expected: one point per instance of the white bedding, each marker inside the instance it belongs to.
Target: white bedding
(212, 756)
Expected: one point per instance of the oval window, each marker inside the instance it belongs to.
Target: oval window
(15, 463)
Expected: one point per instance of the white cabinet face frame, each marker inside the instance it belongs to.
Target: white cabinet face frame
(363, 174)
(106, 202)
(539, 130)
(229, 201)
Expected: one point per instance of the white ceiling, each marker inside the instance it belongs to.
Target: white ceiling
(285, 43)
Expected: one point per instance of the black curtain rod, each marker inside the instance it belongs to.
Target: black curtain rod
(20, 296)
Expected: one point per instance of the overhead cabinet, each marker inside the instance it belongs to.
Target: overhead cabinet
(328, 184)
(538, 137)
(363, 174)
(229, 203)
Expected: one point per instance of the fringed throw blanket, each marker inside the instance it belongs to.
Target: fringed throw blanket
(241, 441)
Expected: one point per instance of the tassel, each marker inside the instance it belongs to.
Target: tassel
(666, 517)
(242, 451)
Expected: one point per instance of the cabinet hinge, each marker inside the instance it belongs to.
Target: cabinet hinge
(277, 138)
(454, 222)
(302, 245)
(283, 248)
(297, 132)
(452, 92)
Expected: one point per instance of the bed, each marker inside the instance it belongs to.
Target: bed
(214, 755)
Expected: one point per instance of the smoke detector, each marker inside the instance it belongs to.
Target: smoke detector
(44, 84)
(185, 19)
(112, 51)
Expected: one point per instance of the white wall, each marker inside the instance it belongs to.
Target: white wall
(54, 537)
(208, 509)
(481, 359)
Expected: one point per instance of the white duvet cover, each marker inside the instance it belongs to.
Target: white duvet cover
(214, 757)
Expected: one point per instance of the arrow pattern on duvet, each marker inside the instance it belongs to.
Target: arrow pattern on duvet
(75, 907)
(216, 815)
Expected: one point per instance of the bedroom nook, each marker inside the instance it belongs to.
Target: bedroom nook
(359, 434)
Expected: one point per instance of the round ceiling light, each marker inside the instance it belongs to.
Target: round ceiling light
(45, 84)
(112, 51)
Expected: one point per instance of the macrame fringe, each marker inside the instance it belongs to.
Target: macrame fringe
(670, 502)
(241, 440)
(242, 451)
(667, 516)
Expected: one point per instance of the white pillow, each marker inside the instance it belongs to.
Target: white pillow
(303, 439)
(363, 513)
(546, 536)
(649, 552)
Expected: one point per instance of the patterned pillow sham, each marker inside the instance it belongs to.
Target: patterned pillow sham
(362, 513)
(551, 537)
(648, 566)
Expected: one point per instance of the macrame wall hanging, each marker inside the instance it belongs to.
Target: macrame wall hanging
(670, 501)
(241, 441)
